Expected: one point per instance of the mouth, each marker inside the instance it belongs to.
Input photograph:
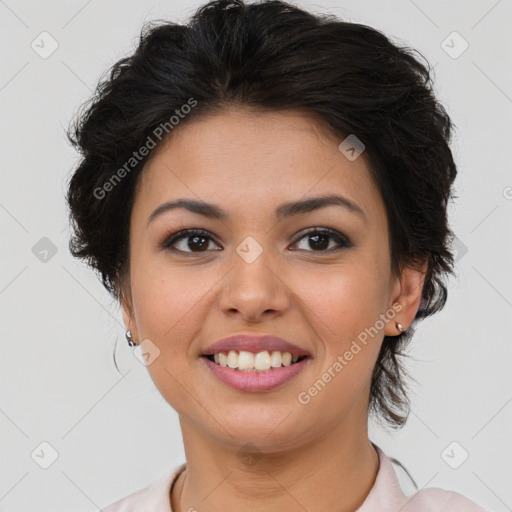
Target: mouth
(250, 362)
(255, 372)
(264, 361)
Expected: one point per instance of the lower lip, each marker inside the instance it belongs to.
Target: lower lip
(255, 381)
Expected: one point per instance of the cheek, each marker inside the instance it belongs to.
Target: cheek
(347, 297)
(168, 312)
(171, 305)
(342, 311)
(344, 304)
(165, 296)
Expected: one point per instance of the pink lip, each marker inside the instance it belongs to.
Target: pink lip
(255, 381)
(254, 344)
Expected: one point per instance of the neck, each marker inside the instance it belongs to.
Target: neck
(334, 472)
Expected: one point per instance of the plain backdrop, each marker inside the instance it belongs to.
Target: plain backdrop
(104, 434)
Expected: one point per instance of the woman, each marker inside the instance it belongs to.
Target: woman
(264, 191)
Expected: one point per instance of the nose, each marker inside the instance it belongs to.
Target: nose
(254, 290)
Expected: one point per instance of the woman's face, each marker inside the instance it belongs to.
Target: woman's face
(312, 290)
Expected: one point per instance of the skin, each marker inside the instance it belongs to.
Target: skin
(305, 457)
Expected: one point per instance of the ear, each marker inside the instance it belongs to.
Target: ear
(407, 290)
(126, 303)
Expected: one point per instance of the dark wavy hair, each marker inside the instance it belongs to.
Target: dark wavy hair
(275, 56)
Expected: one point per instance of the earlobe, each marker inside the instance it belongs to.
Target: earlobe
(410, 288)
(126, 304)
(128, 321)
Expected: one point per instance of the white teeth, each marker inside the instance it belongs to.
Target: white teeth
(262, 361)
(245, 360)
(232, 359)
(287, 359)
(248, 361)
(275, 359)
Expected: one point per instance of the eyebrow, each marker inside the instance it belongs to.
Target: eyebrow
(283, 211)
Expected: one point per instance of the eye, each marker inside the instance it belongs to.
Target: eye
(318, 239)
(197, 240)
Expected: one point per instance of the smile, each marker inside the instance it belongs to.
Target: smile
(247, 371)
(248, 361)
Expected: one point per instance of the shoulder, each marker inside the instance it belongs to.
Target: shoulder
(128, 503)
(387, 495)
(440, 500)
(154, 497)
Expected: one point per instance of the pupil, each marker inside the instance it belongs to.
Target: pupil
(192, 245)
(322, 245)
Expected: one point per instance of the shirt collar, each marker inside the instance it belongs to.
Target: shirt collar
(386, 494)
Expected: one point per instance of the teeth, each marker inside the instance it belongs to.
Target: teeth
(275, 359)
(232, 359)
(248, 361)
(286, 359)
(261, 360)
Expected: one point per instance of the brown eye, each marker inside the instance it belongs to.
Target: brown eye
(318, 240)
(188, 241)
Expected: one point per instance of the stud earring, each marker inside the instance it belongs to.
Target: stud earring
(130, 339)
(400, 327)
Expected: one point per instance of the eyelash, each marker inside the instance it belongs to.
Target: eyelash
(336, 236)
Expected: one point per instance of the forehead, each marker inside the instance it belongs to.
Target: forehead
(250, 160)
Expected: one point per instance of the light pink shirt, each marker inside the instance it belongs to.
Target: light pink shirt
(385, 495)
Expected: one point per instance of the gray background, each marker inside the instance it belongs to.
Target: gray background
(112, 431)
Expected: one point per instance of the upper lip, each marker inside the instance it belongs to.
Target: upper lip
(252, 343)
